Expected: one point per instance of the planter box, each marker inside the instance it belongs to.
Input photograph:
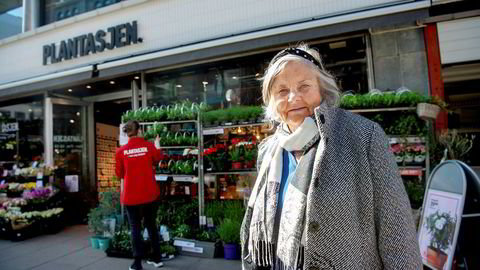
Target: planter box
(427, 111)
(194, 248)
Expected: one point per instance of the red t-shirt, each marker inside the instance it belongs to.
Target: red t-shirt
(135, 163)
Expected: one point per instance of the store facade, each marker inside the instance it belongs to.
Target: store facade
(80, 63)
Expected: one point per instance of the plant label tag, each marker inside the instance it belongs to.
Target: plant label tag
(187, 190)
(40, 175)
(183, 178)
(166, 237)
(181, 243)
(34, 164)
(161, 177)
(193, 249)
(203, 220)
(210, 222)
(213, 131)
(39, 183)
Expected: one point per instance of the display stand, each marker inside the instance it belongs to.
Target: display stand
(186, 178)
(451, 213)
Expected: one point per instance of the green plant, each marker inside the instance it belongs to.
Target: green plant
(167, 249)
(215, 210)
(456, 144)
(95, 221)
(442, 227)
(108, 207)
(182, 231)
(229, 231)
(235, 153)
(121, 240)
(415, 191)
(209, 236)
(234, 210)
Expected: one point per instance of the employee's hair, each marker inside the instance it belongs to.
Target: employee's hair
(328, 87)
(131, 128)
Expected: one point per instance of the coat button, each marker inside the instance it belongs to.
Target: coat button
(313, 227)
(322, 118)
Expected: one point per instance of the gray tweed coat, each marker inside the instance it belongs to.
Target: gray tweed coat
(358, 213)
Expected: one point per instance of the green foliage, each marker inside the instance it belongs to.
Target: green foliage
(95, 221)
(237, 113)
(121, 240)
(406, 124)
(415, 191)
(235, 153)
(182, 231)
(441, 227)
(209, 236)
(456, 144)
(184, 110)
(383, 100)
(229, 231)
(174, 213)
(108, 207)
(219, 210)
(168, 249)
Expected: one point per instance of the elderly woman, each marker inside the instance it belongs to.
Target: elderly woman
(328, 194)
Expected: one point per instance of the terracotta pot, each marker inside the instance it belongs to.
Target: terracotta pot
(237, 165)
(436, 258)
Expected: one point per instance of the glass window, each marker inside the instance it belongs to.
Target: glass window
(234, 82)
(56, 10)
(11, 18)
(21, 134)
(68, 143)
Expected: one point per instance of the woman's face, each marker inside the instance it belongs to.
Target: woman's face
(296, 93)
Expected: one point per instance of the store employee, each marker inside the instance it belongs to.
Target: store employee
(135, 163)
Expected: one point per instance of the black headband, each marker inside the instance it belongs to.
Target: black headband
(300, 53)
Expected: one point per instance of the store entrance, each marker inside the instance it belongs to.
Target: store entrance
(107, 121)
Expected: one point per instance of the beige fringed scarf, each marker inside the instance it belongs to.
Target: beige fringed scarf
(279, 246)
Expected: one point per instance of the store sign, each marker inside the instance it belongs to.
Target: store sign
(67, 139)
(10, 127)
(114, 37)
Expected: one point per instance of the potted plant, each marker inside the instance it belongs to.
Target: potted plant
(229, 233)
(96, 225)
(397, 150)
(250, 155)
(419, 156)
(441, 227)
(235, 155)
(456, 144)
(408, 154)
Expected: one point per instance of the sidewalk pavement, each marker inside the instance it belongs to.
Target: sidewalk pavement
(70, 249)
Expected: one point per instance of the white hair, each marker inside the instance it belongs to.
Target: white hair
(328, 87)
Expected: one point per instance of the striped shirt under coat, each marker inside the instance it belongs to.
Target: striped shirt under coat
(358, 213)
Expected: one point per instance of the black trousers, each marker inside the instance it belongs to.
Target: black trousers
(148, 213)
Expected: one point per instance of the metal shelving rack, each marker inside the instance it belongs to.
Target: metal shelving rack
(412, 170)
(200, 175)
